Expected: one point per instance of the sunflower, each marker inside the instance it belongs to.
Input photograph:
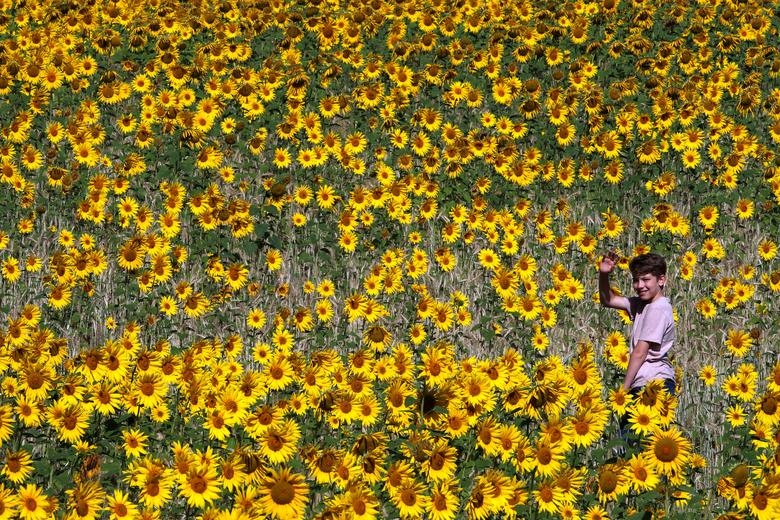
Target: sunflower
(668, 451)
(738, 342)
(151, 388)
(131, 255)
(410, 498)
(29, 412)
(547, 458)
(18, 334)
(348, 241)
(773, 379)
(120, 506)
(326, 196)
(18, 466)
(476, 388)
(588, 426)
(9, 503)
(706, 308)
(712, 248)
(71, 421)
(441, 461)
(86, 154)
(613, 482)
(767, 249)
(613, 172)
(283, 494)
(256, 319)
(33, 503)
(86, 500)
(168, 306)
(445, 502)
(443, 316)
(642, 474)
(708, 375)
(557, 432)
(31, 158)
(481, 503)
(106, 399)
(345, 408)
(209, 158)
(436, 364)
(548, 497)
(279, 371)
(359, 502)
(322, 464)
(612, 225)
(200, 486)
(134, 442)
(765, 501)
(154, 481)
(196, 304)
(488, 437)
(739, 386)
(217, 425)
(565, 134)
(708, 216)
(324, 311)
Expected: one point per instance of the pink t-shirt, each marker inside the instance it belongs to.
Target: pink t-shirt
(654, 323)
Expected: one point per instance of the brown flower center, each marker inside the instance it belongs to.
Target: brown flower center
(666, 450)
(608, 481)
(282, 492)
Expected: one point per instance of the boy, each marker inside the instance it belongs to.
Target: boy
(652, 333)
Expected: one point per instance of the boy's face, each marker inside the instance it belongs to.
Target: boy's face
(648, 286)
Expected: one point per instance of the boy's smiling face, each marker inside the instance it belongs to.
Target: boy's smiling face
(649, 286)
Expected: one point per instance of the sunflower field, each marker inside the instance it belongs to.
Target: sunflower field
(330, 259)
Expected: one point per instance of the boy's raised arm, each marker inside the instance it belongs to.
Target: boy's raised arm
(607, 296)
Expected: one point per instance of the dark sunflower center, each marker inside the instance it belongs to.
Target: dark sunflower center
(666, 450)
(198, 484)
(282, 492)
(607, 481)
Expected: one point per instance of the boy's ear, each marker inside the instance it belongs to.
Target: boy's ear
(662, 280)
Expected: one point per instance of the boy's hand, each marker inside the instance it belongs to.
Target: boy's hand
(608, 262)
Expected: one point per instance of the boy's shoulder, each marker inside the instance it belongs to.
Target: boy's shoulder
(663, 303)
(639, 305)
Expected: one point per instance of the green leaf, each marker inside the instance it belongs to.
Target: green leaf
(62, 480)
(251, 247)
(111, 466)
(488, 333)
(275, 242)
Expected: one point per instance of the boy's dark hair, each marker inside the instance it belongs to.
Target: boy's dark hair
(651, 263)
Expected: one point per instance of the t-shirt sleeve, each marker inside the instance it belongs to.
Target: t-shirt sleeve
(633, 306)
(653, 325)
